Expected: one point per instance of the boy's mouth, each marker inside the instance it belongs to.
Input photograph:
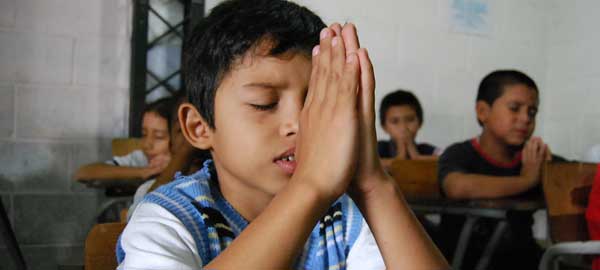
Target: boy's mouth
(287, 161)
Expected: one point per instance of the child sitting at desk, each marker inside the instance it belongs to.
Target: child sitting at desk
(503, 161)
(401, 116)
(185, 158)
(285, 106)
(145, 163)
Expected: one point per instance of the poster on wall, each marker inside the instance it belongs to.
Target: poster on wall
(470, 17)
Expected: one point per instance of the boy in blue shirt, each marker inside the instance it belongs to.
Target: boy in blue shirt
(401, 116)
(503, 161)
(285, 106)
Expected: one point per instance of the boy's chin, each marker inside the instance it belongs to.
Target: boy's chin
(516, 147)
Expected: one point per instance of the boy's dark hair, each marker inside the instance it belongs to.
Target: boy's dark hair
(400, 98)
(493, 85)
(233, 28)
(163, 107)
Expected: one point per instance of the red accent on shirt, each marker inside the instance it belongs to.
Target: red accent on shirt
(515, 162)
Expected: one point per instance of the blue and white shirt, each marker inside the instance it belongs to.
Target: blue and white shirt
(187, 223)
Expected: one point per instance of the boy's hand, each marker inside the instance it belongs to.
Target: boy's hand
(156, 166)
(369, 168)
(326, 150)
(534, 153)
(401, 150)
(411, 149)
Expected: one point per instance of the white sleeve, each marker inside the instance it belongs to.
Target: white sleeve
(155, 239)
(365, 253)
(140, 192)
(133, 159)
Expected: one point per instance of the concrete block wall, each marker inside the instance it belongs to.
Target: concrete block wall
(64, 74)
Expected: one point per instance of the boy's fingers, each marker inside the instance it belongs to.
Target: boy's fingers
(350, 80)
(367, 82)
(313, 77)
(545, 151)
(337, 29)
(338, 69)
(324, 64)
(350, 38)
(338, 53)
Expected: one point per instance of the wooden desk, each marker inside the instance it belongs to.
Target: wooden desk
(566, 188)
(419, 184)
(120, 196)
(473, 211)
(416, 178)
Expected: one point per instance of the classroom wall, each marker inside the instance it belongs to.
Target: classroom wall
(64, 68)
(571, 115)
(416, 45)
(64, 75)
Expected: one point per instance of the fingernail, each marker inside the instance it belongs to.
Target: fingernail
(324, 33)
(335, 41)
(315, 50)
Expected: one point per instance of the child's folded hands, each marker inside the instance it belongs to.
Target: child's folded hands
(327, 143)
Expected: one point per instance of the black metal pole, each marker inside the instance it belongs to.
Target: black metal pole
(139, 44)
(194, 11)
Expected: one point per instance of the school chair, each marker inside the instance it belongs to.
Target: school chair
(566, 189)
(417, 179)
(124, 146)
(100, 246)
(119, 196)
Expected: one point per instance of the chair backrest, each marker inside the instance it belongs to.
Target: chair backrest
(100, 246)
(124, 146)
(566, 189)
(416, 178)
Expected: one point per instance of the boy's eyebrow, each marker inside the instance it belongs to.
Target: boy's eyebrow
(267, 85)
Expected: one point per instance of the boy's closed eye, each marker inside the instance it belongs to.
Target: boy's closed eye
(515, 107)
(262, 96)
(265, 107)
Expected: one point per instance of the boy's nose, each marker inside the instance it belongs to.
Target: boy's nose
(290, 123)
(525, 117)
(289, 127)
(147, 144)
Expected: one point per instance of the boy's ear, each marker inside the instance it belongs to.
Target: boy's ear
(193, 127)
(483, 111)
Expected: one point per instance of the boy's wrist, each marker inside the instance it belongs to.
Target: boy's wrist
(378, 184)
(311, 195)
(529, 179)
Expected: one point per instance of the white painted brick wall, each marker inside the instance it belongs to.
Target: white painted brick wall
(102, 62)
(7, 13)
(7, 111)
(412, 45)
(64, 75)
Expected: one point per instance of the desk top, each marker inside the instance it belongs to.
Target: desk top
(496, 208)
(115, 188)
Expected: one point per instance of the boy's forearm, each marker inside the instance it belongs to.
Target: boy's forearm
(478, 186)
(100, 171)
(400, 237)
(274, 239)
